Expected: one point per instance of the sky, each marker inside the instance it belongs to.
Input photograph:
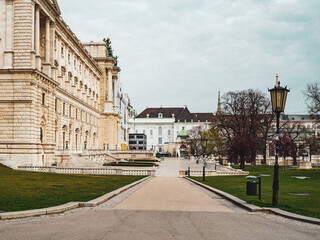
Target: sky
(182, 52)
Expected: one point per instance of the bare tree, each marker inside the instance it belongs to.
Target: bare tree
(247, 111)
(312, 95)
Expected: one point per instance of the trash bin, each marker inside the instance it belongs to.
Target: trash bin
(252, 186)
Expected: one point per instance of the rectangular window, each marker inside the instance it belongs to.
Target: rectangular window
(70, 111)
(75, 62)
(56, 105)
(159, 140)
(64, 109)
(77, 113)
(160, 131)
(62, 50)
(169, 132)
(151, 132)
(43, 98)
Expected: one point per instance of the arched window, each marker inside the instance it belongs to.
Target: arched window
(160, 115)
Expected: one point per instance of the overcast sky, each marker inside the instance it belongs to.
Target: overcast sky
(182, 52)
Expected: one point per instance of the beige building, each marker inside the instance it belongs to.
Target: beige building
(110, 120)
(55, 98)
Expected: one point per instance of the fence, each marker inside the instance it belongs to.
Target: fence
(90, 171)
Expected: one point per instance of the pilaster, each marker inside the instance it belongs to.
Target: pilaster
(8, 52)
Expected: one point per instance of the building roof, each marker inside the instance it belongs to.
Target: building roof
(179, 114)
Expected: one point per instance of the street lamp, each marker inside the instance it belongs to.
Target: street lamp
(204, 142)
(278, 100)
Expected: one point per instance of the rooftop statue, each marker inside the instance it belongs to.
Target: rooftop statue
(109, 48)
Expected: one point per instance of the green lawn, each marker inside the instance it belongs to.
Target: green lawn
(304, 205)
(21, 190)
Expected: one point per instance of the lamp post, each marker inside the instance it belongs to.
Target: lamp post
(278, 100)
(204, 142)
(189, 156)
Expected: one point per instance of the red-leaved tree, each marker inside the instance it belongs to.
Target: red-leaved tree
(242, 147)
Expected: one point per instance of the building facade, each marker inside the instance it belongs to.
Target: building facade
(137, 141)
(162, 125)
(56, 93)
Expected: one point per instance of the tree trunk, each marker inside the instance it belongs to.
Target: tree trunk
(284, 164)
(242, 163)
(295, 160)
(264, 161)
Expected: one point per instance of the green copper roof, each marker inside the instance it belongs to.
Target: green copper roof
(183, 133)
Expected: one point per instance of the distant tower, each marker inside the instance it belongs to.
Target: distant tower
(219, 104)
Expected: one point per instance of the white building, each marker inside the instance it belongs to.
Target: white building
(162, 125)
(123, 105)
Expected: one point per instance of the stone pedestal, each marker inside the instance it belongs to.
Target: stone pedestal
(305, 165)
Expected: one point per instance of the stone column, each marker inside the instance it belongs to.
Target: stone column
(108, 106)
(52, 53)
(109, 84)
(47, 40)
(115, 94)
(37, 38)
(8, 52)
(46, 64)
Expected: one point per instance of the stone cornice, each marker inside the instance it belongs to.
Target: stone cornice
(78, 100)
(77, 42)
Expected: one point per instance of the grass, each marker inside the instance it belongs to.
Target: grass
(304, 205)
(21, 190)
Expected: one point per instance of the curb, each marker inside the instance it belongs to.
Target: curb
(70, 205)
(252, 208)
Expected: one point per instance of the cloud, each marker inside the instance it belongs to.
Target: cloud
(182, 52)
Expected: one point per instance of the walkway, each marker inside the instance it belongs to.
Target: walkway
(162, 208)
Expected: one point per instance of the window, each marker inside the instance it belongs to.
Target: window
(70, 111)
(169, 132)
(151, 132)
(77, 113)
(41, 135)
(56, 105)
(159, 140)
(75, 62)
(62, 50)
(55, 44)
(160, 131)
(43, 98)
(64, 108)
(86, 117)
(160, 115)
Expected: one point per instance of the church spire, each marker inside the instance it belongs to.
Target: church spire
(219, 104)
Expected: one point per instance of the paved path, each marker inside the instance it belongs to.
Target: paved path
(162, 208)
(171, 194)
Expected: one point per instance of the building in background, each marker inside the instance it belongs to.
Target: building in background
(163, 125)
(137, 141)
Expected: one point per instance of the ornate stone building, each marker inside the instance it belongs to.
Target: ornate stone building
(110, 119)
(53, 94)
